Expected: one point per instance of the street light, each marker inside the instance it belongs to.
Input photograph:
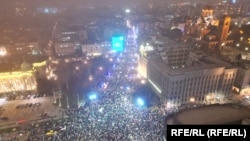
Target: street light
(127, 10)
(140, 102)
(100, 68)
(67, 100)
(92, 96)
(143, 81)
(90, 78)
(78, 100)
(192, 99)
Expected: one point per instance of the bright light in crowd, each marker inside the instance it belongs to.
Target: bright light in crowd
(90, 78)
(128, 88)
(101, 110)
(2, 101)
(77, 68)
(100, 68)
(46, 10)
(127, 11)
(140, 102)
(143, 81)
(92, 96)
(3, 51)
(125, 99)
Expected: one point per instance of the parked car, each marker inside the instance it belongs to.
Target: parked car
(4, 118)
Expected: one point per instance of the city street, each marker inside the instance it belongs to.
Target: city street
(26, 113)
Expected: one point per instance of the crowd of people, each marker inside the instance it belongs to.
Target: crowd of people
(109, 116)
(103, 120)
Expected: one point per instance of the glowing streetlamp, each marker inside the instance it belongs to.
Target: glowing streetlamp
(67, 100)
(90, 78)
(127, 10)
(192, 99)
(140, 102)
(143, 81)
(92, 96)
(100, 68)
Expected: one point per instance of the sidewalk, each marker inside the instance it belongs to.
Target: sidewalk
(18, 136)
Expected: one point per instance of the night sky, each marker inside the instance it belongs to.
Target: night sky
(95, 2)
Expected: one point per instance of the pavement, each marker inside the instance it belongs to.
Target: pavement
(28, 114)
(14, 115)
(14, 135)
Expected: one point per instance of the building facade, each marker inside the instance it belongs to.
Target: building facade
(201, 81)
(66, 48)
(96, 49)
(19, 81)
(242, 82)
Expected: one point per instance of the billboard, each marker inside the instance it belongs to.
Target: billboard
(118, 43)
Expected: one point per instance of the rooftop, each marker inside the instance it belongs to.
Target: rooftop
(211, 114)
(197, 66)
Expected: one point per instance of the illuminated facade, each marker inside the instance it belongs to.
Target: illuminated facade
(18, 81)
(118, 43)
(145, 53)
(242, 82)
(142, 66)
(202, 80)
(208, 32)
(3, 51)
(96, 49)
(66, 48)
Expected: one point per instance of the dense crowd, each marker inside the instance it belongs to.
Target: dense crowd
(112, 116)
(104, 121)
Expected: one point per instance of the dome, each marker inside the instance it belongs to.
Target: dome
(25, 66)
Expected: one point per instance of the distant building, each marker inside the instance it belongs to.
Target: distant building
(209, 32)
(96, 49)
(66, 48)
(22, 48)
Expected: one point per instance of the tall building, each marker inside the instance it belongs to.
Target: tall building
(180, 74)
(224, 29)
(204, 80)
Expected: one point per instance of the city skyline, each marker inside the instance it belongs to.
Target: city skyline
(117, 70)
